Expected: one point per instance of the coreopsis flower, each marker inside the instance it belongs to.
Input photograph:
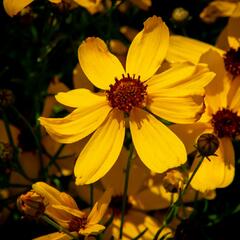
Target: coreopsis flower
(221, 118)
(130, 96)
(63, 209)
(217, 9)
(13, 7)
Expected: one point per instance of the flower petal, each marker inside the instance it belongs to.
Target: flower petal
(69, 210)
(13, 7)
(91, 229)
(234, 95)
(79, 123)
(79, 98)
(178, 52)
(184, 106)
(115, 177)
(100, 66)
(157, 146)
(185, 75)
(216, 90)
(188, 133)
(100, 207)
(102, 150)
(216, 173)
(54, 236)
(148, 49)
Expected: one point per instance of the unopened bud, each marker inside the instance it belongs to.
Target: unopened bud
(31, 204)
(6, 97)
(6, 151)
(173, 181)
(207, 144)
(180, 14)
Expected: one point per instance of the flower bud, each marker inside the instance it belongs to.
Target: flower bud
(6, 97)
(173, 181)
(31, 204)
(207, 144)
(180, 14)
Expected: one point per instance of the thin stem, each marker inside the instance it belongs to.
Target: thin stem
(125, 191)
(58, 227)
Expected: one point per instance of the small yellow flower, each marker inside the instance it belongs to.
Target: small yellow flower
(217, 9)
(128, 94)
(63, 209)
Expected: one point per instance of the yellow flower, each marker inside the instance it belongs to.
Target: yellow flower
(129, 93)
(13, 7)
(217, 9)
(222, 118)
(63, 209)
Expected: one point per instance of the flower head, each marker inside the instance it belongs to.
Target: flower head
(62, 208)
(125, 97)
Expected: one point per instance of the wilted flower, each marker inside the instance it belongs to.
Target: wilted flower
(128, 94)
(31, 204)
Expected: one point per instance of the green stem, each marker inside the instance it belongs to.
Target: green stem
(125, 191)
(58, 227)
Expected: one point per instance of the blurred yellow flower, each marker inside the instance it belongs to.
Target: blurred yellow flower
(13, 7)
(128, 94)
(63, 209)
(217, 9)
(222, 118)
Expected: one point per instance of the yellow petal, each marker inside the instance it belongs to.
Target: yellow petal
(234, 95)
(216, 173)
(217, 9)
(148, 49)
(78, 124)
(13, 7)
(184, 76)
(71, 211)
(216, 90)
(100, 66)
(80, 98)
(189, 133)
(80, 80)
(14, 132)
(178, 52)
(115, 177)
(91, 229)
(54, 236)
(55, 1)
(135, 223)
(184, 106)
(157, 146)
(102, 150)
(143, 4)
(54, 87)
(100, 208)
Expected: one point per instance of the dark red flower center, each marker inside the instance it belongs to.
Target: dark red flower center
(116, 205)
(232, 61)
(77, 223)
(127, 93)
(226, 123)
